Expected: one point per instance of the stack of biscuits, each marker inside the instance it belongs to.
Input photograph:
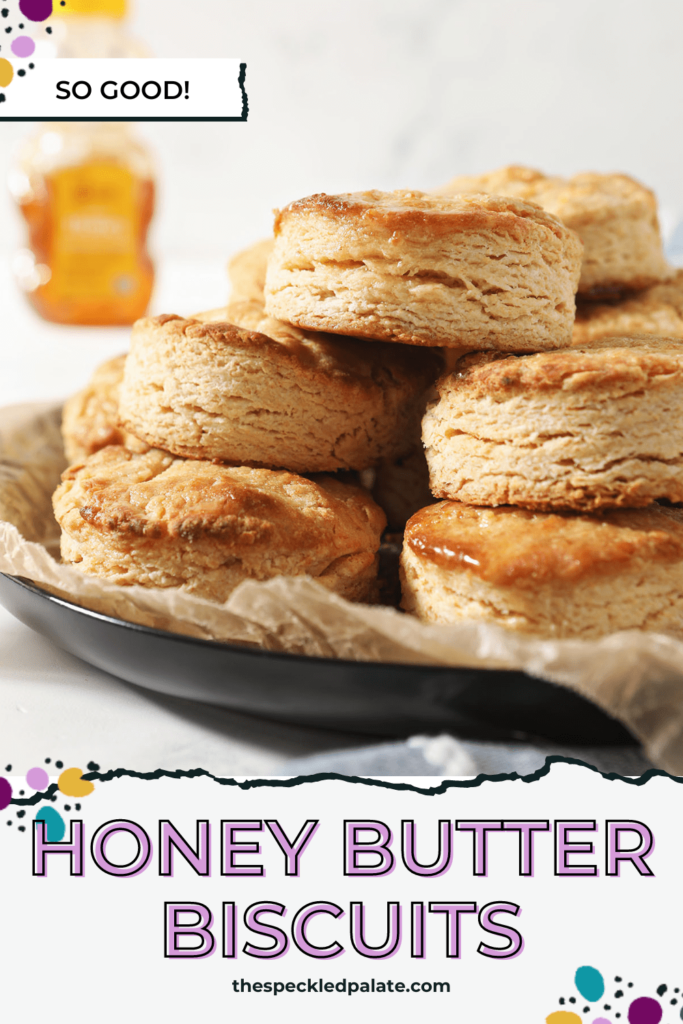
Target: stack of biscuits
(552, 462)
(230, 445)
(626, 285)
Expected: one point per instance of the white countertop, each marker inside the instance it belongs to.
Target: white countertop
(52, 704)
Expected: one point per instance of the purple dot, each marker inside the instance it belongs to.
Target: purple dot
(601, 1020)
(37, 778)
(644, 1011)
(23, 46)
(5, 794)
(36, 10)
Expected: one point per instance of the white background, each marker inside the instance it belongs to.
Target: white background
(98, 940)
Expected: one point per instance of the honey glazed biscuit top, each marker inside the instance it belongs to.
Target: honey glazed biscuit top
(157, 520)
(555, 575)
(511, 546)
(468, 271)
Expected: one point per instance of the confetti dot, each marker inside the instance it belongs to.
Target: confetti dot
(37, 778)
(92, 766)
(5, 793)
(601, 1020)
(563, 1017)
(2, 97)
(72, 783)
(644, 1011)
(21, 72)
(5, 12)
(8, 768)
(23, 46)
(590, 983)
(54, 822)
(36, 10)
(59, 764)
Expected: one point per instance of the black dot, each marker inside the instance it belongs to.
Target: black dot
(661, 990)
(22, 828)
(8, 29)
(47, 760)
(21, 26)
(607, 1006)
(676, 990)
(93, 766)
(617, 1015)
(8, 767)
(21, 792)
(630, 984)
(9, 822)
(77, 806)
(31, 66)
(59, 764)
(2, 97)
(586, 1009)
(561, 1000)
(617, 979)
(4, 12)
(618, 994)
(48, 30)
(673, 1002)
(54, 799)
(571, 999)
(21, 72)
(67, 807)
(21, 814)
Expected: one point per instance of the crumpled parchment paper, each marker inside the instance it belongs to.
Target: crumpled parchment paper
(635, 676)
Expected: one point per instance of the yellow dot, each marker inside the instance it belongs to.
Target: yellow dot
(6, 72)
(563, 1017)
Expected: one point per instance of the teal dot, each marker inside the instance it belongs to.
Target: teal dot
(54, 822)
(590, 983)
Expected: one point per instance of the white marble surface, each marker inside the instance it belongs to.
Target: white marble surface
(344, 95)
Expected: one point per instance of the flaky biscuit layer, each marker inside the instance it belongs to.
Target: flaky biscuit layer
(266, 393)
(475, 272)
(614, 216)
(582, 428)
(90, 419)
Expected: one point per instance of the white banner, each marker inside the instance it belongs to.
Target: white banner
(551, 898)
(128, 89)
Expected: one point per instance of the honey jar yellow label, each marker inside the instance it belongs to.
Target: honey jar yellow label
(95, 231)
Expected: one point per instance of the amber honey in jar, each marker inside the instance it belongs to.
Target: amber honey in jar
(86, 191)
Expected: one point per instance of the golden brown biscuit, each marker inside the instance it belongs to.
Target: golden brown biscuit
(90, 419)
(614, 216)
(476, 272)
(401, 487)
(555, 575)
(268, 394)
(582, 428)
(657, 310)
(247, 271)
(157, 521)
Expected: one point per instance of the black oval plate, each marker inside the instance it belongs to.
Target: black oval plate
(374, 698)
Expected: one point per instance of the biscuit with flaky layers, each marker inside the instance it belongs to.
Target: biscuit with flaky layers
(260, 392)
(657, 310)
(614, 216)
(158, 521)
(557, 575)
(582, 428)
(90, 418)
(247, 271)
(473, 272)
